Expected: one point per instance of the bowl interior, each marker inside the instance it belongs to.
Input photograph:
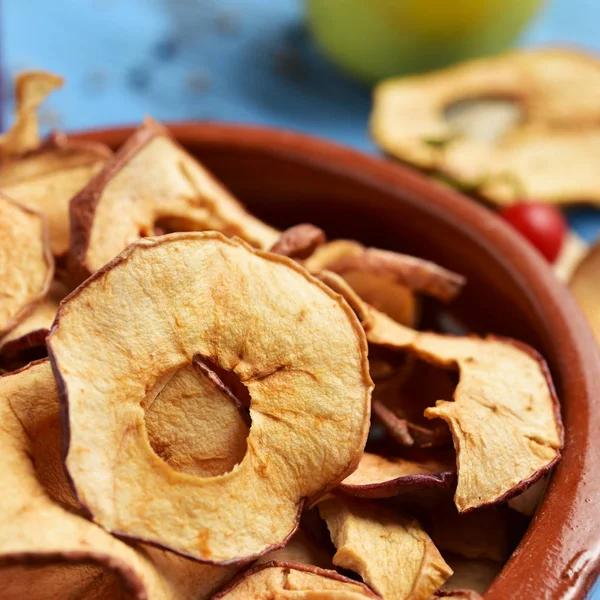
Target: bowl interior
(287, 179)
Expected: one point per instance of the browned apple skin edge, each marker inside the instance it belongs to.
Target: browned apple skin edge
(49, 277)
(297, 567)
(66, 433)
(83, 205)
(407, 484)
(311, 237)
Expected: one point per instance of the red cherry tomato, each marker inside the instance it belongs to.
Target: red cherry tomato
(543, 225)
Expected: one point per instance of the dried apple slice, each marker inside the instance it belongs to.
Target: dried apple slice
(458, 594)
(152, 184)
(548, 126)
(505, 416)
(300, 549)
(284, 580)
(392, 553)
(46, 549)
(26, 265)
(347, 256)
(380, 477)
(295, 345)
(46, 179)
(195, 426)
(31, 89)
(585, 286)
(299, 242)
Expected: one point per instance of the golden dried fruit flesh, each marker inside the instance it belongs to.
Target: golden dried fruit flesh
(151, 186)
(546, 155)
(299, 242)
(31, 89)
(585, 286)
(46, 549)
(300, 549)
(380, 477)
(26, 265)
(289, 581)
(295, 345)
(391, 552)
(46, 179)
(504, 418)
(195, 426)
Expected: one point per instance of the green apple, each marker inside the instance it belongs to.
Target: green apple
(373, 39)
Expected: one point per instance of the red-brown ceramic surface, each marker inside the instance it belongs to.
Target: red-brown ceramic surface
(286, 178)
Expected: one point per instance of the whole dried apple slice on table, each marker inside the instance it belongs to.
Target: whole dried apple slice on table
(295, 345)
(381, 477)
(46, 179)
(47, 550)
(26, 265)
(31, 89)
(543, 124)
(288, 581)
(391, 552)
(152, 185)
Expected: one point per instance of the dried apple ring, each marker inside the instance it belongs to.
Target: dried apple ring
(46, 549)
(150, 186)
(296, 346)
(26, 265)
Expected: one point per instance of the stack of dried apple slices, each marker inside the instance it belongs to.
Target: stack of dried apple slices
(198, 421)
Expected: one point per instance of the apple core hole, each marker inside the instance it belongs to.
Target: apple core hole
(484, 119)
(199, 421)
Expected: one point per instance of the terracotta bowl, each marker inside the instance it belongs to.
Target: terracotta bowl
(286, 178)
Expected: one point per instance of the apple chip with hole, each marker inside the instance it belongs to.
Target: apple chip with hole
(585, 286)
(46, 179)
(153, 186)
(26, 265)
(391, 552)
(295, 345)
(381, 477)
(289, 581)
(504, 417)
(520, 125)
(31, 89)
(47, 549)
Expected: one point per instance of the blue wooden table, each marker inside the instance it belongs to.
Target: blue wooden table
(234, 60)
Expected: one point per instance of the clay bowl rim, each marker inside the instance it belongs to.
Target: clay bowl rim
(559, 556)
